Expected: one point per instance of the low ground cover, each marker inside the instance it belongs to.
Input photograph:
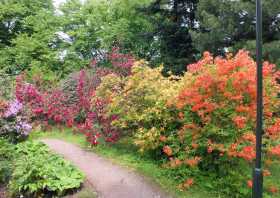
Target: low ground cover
(31, 170)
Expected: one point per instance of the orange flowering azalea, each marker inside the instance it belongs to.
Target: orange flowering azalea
(192, 162)
(188, 183)
(250, 183)
(167, 150)
(219, 99)
(274, 130)
(162, 138)
(275, 151)
(273, 189)
(266, 173)
(248, 153)
(239, 121)
(250, 137)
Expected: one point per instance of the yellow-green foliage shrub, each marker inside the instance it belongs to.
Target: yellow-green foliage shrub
(141, 106)
(111, 85)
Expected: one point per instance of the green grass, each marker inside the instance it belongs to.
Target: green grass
(126, 155)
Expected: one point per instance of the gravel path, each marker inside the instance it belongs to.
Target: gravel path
(2, 191)
(108, 179)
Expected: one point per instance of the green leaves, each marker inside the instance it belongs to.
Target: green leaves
(29, 38)
(37, 172)
(6, 158)
(229, 26)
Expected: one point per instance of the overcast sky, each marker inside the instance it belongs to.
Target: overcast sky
(57, 2)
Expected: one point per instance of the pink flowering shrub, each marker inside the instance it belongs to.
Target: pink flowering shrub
(14, 124)
(47, 107)
(71, 106)
(98, 125)
(122, 63)
(118, 62)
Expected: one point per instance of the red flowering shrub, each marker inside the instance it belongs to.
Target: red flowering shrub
(109, 133)
(71, 104)
(99, 127)
(122, 63)
(218, 112)
(53, 107)
(118, 62)
(119, 65)
(96, 126)
(47, 107)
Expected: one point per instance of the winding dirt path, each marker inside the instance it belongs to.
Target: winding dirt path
(108, 179)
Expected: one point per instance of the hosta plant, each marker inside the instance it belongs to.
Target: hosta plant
(39, 173)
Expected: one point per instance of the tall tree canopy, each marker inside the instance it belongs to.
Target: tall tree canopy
(27, 35)
(173, 20)
(226, 25)
(35, 37)
(13, 14)
(98, 25)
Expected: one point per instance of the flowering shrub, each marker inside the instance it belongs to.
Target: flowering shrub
(141, 106)
(13, 124)
(97, 124)
(53, 106)
(3, 107)
(121, 63)
(69, 85)
(118, 62)
(13, 109)
(71, 104)
(110, 85)
(48, 107)
(217, 107)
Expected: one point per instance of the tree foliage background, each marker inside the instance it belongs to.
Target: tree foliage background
(37, 38)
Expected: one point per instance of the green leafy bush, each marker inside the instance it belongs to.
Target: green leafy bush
(6, 160)
(39, 173)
